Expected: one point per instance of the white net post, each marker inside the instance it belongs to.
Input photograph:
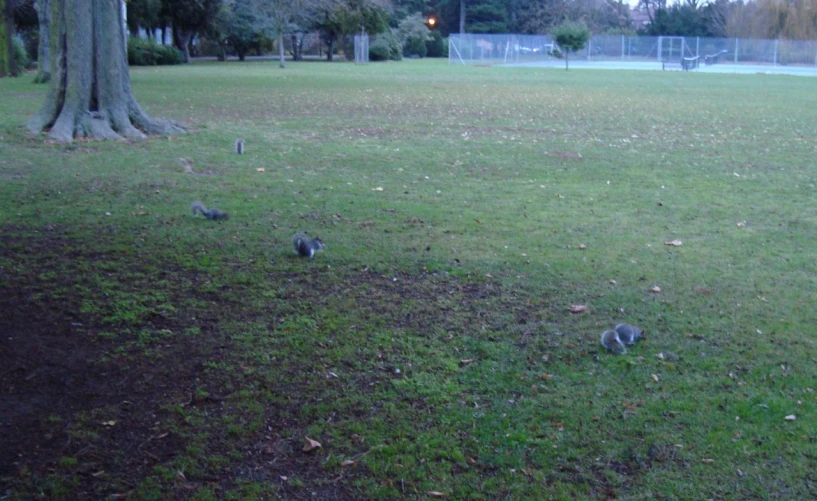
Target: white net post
(361, 49)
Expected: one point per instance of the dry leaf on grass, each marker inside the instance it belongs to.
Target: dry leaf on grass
(741, 224)
(348, 462)
(654, 377)
(674, 243)
(577, 308)
(260, 169)
(707, 460)
(655, 288)
(311, 444)
(582, 246)
(791, 417)
(466, 361)
(436, 494)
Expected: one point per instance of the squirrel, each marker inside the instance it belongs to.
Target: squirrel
(239, 146)
(306, 247)
(612, 341)
(628, 334)
(211, 214)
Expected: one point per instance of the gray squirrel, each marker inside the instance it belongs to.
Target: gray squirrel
(239, 146)
(306, 247)
(211, 214)
(629, 334)
(623, 334)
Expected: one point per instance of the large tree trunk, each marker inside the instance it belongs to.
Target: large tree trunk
(462, 17)
(181, 40)
(90, 94)
(330, 49)
(7, 63)
(43, 50)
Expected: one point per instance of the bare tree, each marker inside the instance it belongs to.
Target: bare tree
(275, 18)
(90, 94)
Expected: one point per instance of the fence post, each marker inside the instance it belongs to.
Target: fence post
(736, 50)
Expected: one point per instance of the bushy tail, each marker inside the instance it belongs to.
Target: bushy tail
(300, 244)
(611, 341)
(198, 208)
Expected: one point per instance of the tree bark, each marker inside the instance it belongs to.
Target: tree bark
(4, 48)
(281, 49)
(8, 14)
(462, 17)
(90, 93)
(43, 50)
(330, 49)
(181, 40)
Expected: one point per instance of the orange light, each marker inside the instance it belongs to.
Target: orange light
(432, 21)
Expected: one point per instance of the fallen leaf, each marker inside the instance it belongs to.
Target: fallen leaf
(436, 494)
(741, 224)
(654, 377)
(98, 474)
(577, 308)
(707, 460)
(613, 282)
(379, 188)
(109, 423)
(311, 445)
(655, 288)
(791, 417)
(470, 460)
(741, 473)
(674, 243)
(582, 246)
(260, 169)
(348, 462)
(466, 361)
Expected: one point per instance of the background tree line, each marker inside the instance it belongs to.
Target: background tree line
(242, 27)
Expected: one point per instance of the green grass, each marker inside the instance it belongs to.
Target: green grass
(453, 202)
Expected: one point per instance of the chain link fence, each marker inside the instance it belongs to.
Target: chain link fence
(506, 49)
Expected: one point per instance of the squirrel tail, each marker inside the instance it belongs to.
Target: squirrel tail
(298, 241)
(611, 341)
(198, 208)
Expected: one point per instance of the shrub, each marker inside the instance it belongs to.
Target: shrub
(414, 33)
(142, 52)
(385, 47)
(437, 46)
(414, 46)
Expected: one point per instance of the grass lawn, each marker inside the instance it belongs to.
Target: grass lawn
(148, 354)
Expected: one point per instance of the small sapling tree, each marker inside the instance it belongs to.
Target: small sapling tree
(570, 37)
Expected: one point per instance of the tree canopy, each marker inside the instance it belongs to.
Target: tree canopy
(571, 37)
